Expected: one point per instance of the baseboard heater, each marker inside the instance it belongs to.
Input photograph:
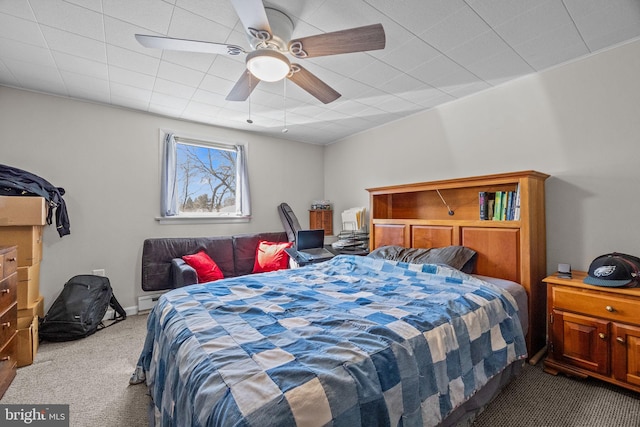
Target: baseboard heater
(147, 302)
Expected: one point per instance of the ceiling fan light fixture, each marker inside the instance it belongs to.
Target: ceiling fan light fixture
(268, 65)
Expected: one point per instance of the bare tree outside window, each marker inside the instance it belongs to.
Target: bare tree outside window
(206, 179)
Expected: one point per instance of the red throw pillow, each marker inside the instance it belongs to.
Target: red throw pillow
(270, 256)
(205, 268)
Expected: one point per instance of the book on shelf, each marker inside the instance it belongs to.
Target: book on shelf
(516, 210)
(483, 202)
(499, 205)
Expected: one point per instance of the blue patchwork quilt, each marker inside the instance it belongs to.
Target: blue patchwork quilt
(348, 342)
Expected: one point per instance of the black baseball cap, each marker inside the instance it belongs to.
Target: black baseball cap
(614, 270)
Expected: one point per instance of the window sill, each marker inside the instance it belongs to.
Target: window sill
(163, 220)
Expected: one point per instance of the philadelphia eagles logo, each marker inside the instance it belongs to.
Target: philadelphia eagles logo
(606, 270)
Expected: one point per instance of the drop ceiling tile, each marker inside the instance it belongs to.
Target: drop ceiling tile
(167, 100)
(73, 44)
(69, 17)
(410, 54)
(179, 74)
(6, 77)
(227, 67)
(36, 55)
(552, 48)
(204, 97)
(603, 24)
(95, 5)
(130, 92)
(220, 11)
(187, 25)
(122, 34)
(86, 87)
(78, 65)
(195, 61)
(133, 61)
(170, 110)
(135, 104)
(20, 30)
(497, 69)
(496, 12)
(486, 45)
(543, 19)
(153, 15)
(456, 29)
(436, 69)
(419, 15)
(216, 85)
(173, 89)
(131, 78)
(19, 9)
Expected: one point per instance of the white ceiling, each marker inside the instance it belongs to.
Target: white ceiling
(436, 51)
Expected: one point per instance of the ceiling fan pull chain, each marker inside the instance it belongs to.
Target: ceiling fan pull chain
(284, 106)
(249, 99)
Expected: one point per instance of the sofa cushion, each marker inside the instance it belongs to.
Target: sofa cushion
(270, 256)
(206, 268)
(157, 254)
(245, 246)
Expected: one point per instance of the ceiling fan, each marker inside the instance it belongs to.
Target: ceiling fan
(269, 32)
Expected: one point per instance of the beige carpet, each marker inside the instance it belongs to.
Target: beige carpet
(91, 375)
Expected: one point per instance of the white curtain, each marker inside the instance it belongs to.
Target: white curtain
(243, 203)
(169, 197)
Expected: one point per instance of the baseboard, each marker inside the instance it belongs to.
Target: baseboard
(131, 311)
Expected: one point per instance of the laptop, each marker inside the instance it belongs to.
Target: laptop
(310, 245)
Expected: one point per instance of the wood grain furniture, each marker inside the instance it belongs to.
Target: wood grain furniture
(321, 218)
(8, 315)
(593, 331)
(418, 215)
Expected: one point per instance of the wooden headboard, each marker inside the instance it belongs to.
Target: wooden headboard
(447, 212)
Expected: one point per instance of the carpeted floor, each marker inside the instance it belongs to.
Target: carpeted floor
(92, 376)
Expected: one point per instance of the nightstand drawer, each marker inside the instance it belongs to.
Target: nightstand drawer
(603, 305)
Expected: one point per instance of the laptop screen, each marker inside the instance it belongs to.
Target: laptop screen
(309, 239)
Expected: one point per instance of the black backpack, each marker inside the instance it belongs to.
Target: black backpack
(79, 309)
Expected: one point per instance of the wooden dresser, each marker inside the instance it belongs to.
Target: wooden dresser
(593, 331)
(443, 213)
(8, 315)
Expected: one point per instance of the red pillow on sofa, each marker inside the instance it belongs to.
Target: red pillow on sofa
(270, 256)
(206, 269)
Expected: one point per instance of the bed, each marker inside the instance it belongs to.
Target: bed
(352, 341)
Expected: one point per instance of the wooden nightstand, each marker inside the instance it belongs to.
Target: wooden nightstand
(593, 331)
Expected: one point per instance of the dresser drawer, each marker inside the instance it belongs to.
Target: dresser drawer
(600, 304)
(8, 291)
(8, 363)
(8, 323)
(8, 263)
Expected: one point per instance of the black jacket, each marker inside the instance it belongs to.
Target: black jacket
(17, 182)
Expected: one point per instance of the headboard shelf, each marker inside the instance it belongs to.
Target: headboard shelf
(419, 215)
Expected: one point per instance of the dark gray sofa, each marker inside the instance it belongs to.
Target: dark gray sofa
(163, 268)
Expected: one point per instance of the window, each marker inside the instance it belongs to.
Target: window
(204, 179)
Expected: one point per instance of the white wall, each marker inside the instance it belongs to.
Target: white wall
(579, 122)
(107, 160)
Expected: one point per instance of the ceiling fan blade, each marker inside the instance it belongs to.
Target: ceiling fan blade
(243, 87)
(252, 15)
(370, 37)
(309, 82)
(168, 43)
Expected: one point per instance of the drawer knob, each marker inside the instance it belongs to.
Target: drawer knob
(5, 291)
(602, 336)
(620, 340)
(12, 259)
(5, 358)
(6, 325)
(610, 309)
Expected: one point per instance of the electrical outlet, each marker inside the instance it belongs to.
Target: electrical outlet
(99, 272)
